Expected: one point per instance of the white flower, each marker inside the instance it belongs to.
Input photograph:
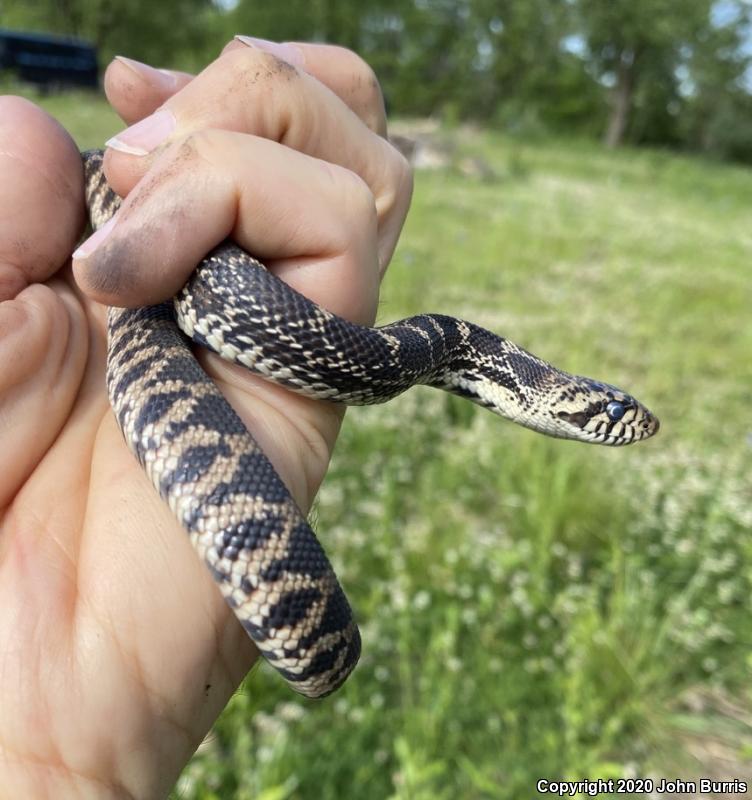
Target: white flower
(422, 600)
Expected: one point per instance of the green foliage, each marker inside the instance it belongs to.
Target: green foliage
(717, 117)
(533, 608)
(669, 73)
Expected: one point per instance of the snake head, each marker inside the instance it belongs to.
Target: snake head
(591, 411)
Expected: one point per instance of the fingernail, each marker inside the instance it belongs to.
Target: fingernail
(161, 77)
(141, 138)
(287, 52)
(86, 248)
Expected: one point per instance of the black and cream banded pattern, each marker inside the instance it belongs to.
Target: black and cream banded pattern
(241, 519)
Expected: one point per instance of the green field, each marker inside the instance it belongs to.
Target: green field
(534, 608)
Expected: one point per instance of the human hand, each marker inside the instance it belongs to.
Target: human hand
(118, 651)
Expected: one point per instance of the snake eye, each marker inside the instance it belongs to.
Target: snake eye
(615, 410)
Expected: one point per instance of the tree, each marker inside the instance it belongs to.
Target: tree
(633, 44)
(665, 72)
(717, 117)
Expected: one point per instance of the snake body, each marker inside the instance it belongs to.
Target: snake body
(240, 518)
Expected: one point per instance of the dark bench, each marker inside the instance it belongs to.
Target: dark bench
(47, 60)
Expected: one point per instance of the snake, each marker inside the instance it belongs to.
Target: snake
(241, 520)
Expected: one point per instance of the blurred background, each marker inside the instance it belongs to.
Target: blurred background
(659, 72)
(530, 608)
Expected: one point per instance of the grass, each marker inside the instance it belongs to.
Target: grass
(534, 608)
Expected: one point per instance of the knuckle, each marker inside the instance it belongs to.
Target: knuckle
(251, 68)
(397, 186)
(363, 74)
(364, 85)
(196, 150)
(262, 88)
(358, 195)
(354, 198)
(400, 170)
(195, 144)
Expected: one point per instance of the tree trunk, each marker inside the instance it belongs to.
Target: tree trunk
(621, 102)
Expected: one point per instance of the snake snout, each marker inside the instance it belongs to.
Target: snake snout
(604, 414)
(635, 424)
(650, 424)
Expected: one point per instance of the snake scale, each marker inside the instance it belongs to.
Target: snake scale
(239, 516)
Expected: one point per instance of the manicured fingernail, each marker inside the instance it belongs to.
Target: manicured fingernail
(287, 52)
(86, 248)
(162, 78)
(141, 138)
